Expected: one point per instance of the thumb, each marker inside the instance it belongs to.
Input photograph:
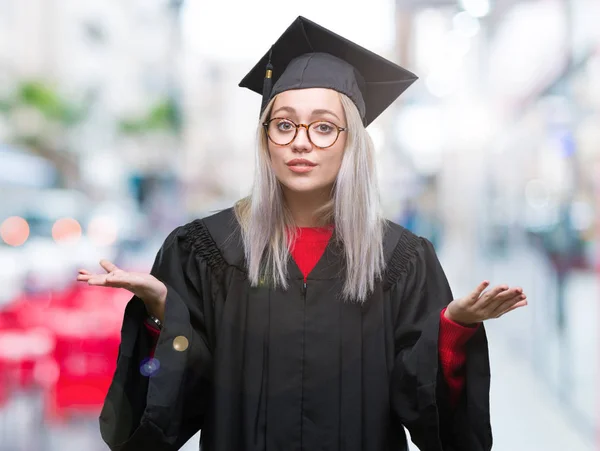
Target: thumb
(108, 266)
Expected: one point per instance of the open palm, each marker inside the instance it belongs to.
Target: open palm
(479, 306)
(145, 286)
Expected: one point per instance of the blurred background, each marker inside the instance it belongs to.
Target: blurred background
(120, 120)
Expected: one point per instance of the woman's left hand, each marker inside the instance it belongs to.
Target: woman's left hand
(478, 306)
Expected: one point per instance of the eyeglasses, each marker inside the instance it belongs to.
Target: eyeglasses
(322, 134)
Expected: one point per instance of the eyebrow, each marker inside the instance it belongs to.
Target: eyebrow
(314, 113)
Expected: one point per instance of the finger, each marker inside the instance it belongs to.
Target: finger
(477, 291)
(122, 279)
(105, 280)
(514, 307)
(108, 266)
(506, 295)
(491, 294)
(97, 280)
(119, 277)
(503, 300)
(84, 277)
(83, 271)
(502, 307)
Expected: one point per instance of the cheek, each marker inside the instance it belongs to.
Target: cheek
(330, 164)
(336, 160)
(276, 155)
(335, 156)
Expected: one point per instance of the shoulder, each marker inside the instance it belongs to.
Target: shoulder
(399, 242)
(215, 238)
(403, 251)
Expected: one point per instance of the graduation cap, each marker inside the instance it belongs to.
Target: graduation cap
(307, 55)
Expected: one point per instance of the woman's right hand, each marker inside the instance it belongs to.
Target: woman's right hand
(145, 286)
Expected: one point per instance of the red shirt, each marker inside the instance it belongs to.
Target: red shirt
(308, 248)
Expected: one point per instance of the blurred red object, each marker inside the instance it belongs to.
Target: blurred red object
(20, 351)
(86, 365)
(87, 325)
(83, 325)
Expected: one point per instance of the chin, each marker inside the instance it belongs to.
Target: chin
(303, 186)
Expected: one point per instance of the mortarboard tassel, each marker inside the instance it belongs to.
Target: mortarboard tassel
(267, 83)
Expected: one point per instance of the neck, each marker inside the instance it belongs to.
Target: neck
(304, 206)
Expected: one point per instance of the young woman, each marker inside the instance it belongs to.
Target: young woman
(300, 319)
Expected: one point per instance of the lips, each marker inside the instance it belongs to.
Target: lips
(301, 162)
(300, 165)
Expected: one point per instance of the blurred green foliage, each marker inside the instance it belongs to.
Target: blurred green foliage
(163, 116)
(49, 103)
(44, 98)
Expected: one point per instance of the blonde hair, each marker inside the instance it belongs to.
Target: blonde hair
(354, 209)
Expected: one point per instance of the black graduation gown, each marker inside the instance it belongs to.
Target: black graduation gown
(268, 369)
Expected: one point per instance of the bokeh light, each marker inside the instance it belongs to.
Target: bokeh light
(14, 231)
(66, 229)
(102, 230)
(476, 8)
(466, 24)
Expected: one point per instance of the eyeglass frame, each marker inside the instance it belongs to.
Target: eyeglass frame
(305, 126)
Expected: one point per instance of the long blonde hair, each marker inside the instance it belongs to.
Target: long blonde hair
(354, 209)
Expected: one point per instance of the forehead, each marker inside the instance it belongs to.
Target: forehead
(307, 100)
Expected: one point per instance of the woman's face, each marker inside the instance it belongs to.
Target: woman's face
(301, 166)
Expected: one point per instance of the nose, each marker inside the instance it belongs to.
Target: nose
(302, 143)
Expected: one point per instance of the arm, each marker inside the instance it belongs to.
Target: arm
(156, 412)
(453, 355)
(419, 392)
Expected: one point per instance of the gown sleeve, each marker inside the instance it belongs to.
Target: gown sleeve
(154, 334)
(159, 404)
(419, 393)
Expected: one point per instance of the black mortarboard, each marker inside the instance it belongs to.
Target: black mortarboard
(309, 56)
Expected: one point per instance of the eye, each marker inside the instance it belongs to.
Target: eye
(285, 126)
(323, 127)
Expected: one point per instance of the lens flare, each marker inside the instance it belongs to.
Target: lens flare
(149, 367)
